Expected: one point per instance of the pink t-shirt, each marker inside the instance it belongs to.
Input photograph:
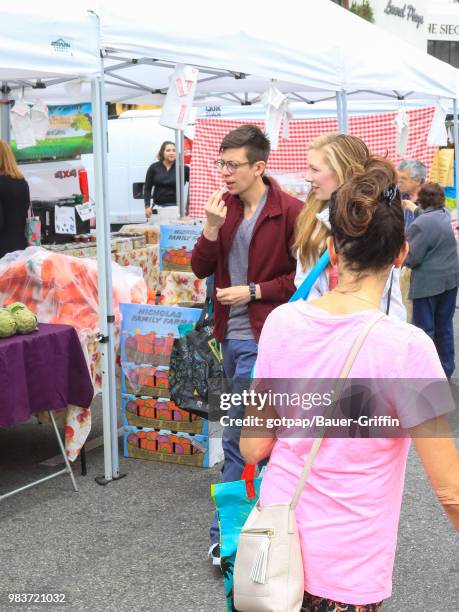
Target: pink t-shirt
(349, 511)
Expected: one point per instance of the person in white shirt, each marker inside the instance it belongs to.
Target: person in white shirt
(333, 159)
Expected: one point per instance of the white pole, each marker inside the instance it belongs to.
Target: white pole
(456, 156)
(344, 112)
(178, 181)
(5, 108)
(182, 174)
(339, 111)
(104, 265)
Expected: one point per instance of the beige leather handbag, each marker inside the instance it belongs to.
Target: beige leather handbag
(268, 570)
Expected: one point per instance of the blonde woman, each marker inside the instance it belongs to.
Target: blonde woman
(333, 159)
(14, 203)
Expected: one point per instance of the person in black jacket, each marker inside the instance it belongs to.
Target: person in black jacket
(161, 178)
(14, 203)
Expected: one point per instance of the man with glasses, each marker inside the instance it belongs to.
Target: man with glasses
(246, 243)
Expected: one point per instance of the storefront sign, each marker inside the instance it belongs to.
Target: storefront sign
(408, 20)
(444, 31)
(407, 12)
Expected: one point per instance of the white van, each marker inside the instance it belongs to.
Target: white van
(134, 139)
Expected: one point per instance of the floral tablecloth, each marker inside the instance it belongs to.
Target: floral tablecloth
(146, 258)
(77, 428)
(181, 287)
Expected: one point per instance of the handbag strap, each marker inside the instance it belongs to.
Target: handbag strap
(206, 314)
(389, 293)
(304, 289)
(337, 394)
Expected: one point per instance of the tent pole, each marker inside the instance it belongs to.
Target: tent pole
(5, 106)
(344, 112)
(178, 181)
(104, 268)
(338, 111)
(182, 174)
(456, 156)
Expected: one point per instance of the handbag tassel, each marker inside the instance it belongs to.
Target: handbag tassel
(260, 564)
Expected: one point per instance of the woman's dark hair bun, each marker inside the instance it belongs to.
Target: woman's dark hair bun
(366, 217)
(357, 199)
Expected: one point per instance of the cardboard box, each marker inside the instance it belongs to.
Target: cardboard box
(169, 447)
(149, 349)
(144, 380)
(160, 413)
(176, 243)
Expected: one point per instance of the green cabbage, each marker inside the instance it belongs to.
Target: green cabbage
(25, 320)
(15, 306)
(8, 325)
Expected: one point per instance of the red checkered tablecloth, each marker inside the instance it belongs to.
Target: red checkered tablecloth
(378, 131)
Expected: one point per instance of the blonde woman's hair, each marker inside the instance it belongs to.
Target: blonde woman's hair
(344, 155)
(8, 165)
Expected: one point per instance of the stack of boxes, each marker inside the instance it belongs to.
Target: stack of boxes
(154, 427)
(177, 283)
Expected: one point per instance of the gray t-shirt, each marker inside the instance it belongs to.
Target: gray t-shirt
(239, 327)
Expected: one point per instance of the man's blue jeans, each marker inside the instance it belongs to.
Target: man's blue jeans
(238, 359)
(435, 316)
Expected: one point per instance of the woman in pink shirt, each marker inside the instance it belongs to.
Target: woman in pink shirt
(349, 510)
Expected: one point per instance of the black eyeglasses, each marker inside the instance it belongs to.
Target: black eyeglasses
(231, 166)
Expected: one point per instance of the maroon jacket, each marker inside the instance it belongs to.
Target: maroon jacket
(271, 264)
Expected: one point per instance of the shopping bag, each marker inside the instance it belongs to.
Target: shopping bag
(234, 502)
(196, 367)
(33, 230)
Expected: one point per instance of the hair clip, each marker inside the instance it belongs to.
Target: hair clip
(390, 193)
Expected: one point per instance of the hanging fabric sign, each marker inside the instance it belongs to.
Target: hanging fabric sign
(179, 99)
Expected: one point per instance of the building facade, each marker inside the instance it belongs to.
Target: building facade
(430, 25)
(443, 32)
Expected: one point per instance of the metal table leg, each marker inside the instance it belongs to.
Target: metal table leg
(66, 470)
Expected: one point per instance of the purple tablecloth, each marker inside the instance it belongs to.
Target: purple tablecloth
(44, 370)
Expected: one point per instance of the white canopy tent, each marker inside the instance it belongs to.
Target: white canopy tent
(315, 51)
(39, 42)
(311, 51)
(311, 48)
(36, 44)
